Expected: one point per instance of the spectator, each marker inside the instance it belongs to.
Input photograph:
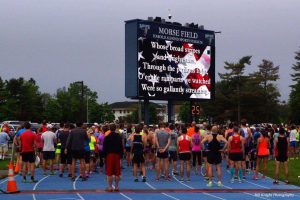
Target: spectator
(4, 138)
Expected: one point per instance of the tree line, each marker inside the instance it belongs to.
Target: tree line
(21, 99)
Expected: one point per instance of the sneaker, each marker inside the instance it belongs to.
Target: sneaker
(144, 179)
(69, 175)
(33, 181)
(24, 180)
(136, 180)
(168, 178)
(236, 178)
(275, 182)
(84, 179)
(209, 184)
(220, 184)
(60, 175)
(51, 173)
(287, 182)
(240, 180)
(232, 180)
(175, 173)
(156, 179)
(188, 180)
(255, 177)
(181, 180)
(244, 177)
(44, 174)
(73, 179)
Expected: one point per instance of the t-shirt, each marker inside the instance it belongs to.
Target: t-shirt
(27, 141)
(173, 143)
(63, 137)
(19, 132)
(76, 139)
(4, 138)
(48, 137)
(162, 138)
(293, 135)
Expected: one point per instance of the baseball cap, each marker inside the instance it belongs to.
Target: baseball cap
(49, 126)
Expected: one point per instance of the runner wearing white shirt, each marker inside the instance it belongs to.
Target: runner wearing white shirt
(49, 139)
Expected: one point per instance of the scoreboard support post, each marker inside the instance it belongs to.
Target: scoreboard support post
(170, 111)
(146, 111)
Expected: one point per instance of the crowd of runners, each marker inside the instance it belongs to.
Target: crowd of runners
(111, 147)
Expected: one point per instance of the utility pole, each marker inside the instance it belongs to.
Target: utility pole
(82, 101)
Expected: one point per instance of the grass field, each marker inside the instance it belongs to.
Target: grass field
(294, 171)
(4, 164)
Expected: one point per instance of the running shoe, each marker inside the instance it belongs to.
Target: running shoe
(136, 180)
(275, 182)
(232, 180)
(244, 177)
(84, 179)
(33, 181)
(209, 184)
(287, 182)
(255, 177)
(144, 179)
(24, 180)
(220, 184)
(51, 173)
(181, 180)
(240, 180)
(175, 173)
(188, 180)
(44, 174)
(60, 175)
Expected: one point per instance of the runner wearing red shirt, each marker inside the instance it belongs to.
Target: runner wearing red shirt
(28, 139)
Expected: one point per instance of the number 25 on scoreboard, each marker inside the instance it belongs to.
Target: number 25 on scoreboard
(195, 109)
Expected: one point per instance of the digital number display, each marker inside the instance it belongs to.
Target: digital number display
(195, 110)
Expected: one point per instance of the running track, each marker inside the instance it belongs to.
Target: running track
(56, 188)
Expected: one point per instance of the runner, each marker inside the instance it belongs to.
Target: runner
(214, 156)
(205, 149)
(100, 147)
(27, 143)
(173, 149)
(113, 152)
(263, 152)
(236, 153)
(281, 147)
(246, 134)
(128, 144)
(293, 142)
(76, 143)
(184, 144)
(196, 150)
(228, 133)
(65, 156)
(49, 139)
(137, 151)
(39, 145)
(4, 138)
(162, 143)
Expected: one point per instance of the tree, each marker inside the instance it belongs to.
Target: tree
(184, 112)
(296, 68)
(265, 77)
(235, 79)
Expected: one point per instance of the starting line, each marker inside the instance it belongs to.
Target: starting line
(137, 191)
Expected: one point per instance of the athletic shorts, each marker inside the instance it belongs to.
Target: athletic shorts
(3, 147)
(40, 149)
(263, 156)
(173, 155)
(28, 157)
(281, 158)
(162, 155)
(127, 149)
(113, 164)
(236, 157)
(77, 154)
(48, 155)
(65, 158)
(293, 143)
(87, 156)
(214, 158)
(185, 156)
(204, 154)
(138, 158)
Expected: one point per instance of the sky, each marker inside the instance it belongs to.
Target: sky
(57, 42)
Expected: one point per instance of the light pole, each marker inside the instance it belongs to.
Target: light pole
(87, 108)
(82, 105)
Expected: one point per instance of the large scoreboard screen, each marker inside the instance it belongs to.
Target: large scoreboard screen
(166, 61)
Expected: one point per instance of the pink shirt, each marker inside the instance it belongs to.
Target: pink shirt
(196, 142)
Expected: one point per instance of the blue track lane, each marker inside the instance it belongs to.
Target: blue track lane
(56, 188)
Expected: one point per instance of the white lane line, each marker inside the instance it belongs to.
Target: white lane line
(64, 199)
(74, 187)
(127, 197)
(167, 195)
(35, 186)
(244, 192)
(5, 180)
(257, 184)
(190, 187)
(170, 196)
